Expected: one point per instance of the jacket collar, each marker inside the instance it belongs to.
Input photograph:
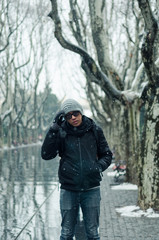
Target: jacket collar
(85, 126)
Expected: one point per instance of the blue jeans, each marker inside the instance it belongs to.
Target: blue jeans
(89, 201)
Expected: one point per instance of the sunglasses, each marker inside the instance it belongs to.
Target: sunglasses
(69, 115)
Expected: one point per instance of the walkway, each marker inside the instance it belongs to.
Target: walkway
(116, 227)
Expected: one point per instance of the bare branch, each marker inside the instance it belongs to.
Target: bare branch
(88, 61)
(128, 33)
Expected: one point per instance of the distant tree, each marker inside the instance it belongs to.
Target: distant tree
(24, 54)
(49, 107)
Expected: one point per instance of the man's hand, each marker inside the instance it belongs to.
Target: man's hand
(59, 118)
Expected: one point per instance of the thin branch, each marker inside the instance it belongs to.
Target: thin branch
(128, 33)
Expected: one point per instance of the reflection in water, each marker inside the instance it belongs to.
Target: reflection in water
(27, 184)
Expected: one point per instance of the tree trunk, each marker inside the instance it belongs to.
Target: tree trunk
(14, 135)
(126, 138)
(19, 135)
(1, 133)
(134, 141)
(149, 159)
(9, 136)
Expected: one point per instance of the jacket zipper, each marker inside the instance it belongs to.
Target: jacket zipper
(81, 164)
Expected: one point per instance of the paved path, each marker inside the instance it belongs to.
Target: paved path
(116, 227)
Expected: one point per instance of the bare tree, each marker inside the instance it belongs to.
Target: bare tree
(131, 89)
(149, 160)
(24, 50)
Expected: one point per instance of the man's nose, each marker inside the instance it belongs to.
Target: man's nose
(73, 117)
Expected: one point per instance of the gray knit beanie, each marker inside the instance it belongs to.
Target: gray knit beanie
(71, 105)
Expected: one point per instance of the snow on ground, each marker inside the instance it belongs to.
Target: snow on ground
(135, 211)
(131, 211)
(125, 186)
(111, 174)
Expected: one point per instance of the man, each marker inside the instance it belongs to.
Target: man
(84, 154)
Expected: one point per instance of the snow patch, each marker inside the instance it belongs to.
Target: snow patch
(130, 95)
(111, 174)
(125, 186)
(135, 211)
(155, 111)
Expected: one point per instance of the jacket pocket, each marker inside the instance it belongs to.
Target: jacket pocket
(68, 171)
(93, 172)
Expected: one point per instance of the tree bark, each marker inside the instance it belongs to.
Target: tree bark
(149, 159)
(149, 156)
(101, 42)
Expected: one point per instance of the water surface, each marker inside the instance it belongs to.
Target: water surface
(29, 196)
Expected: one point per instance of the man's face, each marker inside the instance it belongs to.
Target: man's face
(74, 118)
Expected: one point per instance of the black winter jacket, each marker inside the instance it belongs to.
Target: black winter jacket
(83, 157)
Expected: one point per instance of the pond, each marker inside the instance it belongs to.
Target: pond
(29, 195)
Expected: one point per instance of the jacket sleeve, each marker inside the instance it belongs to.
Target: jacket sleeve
(50, 146)
(104, 152)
